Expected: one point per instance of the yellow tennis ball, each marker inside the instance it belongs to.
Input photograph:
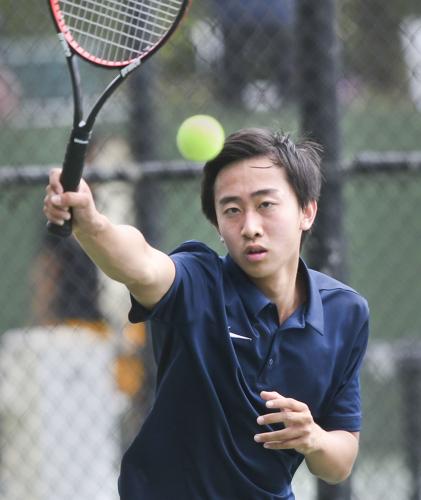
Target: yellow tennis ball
(200, 138)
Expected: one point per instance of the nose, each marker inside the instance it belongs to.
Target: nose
(252, 227)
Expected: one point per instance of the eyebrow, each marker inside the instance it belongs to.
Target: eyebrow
(235, 199)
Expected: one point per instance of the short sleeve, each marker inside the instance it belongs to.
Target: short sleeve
(344, 412)
(196, 276)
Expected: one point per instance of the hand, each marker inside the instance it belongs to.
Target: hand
(300, 433)
(57, 204)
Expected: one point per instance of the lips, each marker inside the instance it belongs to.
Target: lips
(255, 253)
(255, 249)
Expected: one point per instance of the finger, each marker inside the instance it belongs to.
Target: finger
(268, 395)
(54, 180)
(55, 212)
(56, 216)
(281, 445)
(57, 201)
(54, 202)
(67, 200)
(75, 199)
(62, 212)
(285, 417)
(273, 445)
(282, 403)
(278, 436)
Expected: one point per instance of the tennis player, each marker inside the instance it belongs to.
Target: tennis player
(258, 355)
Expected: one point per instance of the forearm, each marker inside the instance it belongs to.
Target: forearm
(116, 249)
(334, 457)
(329, 455)
(124, 255)
(120, 251)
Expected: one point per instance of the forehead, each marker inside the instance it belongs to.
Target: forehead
(251, 173)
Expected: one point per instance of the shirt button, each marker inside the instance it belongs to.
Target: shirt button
(270, 362)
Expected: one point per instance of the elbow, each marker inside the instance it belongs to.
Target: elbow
(334, 481)
(335, 466)
(337, 476)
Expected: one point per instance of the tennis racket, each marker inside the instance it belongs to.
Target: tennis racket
(114, 34)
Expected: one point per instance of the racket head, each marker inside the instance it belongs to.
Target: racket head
(116, 33)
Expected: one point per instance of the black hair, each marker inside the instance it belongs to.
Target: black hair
(301, 161)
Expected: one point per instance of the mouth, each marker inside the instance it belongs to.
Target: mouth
(255, 253)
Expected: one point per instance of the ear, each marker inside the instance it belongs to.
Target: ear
(308, 215)
(221, 239)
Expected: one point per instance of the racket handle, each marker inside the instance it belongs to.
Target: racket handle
(71, 174)
(63, 231)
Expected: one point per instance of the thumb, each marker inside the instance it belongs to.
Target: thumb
(71, 199)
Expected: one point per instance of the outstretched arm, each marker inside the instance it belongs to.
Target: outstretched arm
(121, 251)
(328, 455)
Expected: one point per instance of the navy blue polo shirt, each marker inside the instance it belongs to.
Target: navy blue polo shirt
(218, 344)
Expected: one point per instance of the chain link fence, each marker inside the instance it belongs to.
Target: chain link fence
(76, 381)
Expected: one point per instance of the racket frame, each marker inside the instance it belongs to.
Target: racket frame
(81, 132)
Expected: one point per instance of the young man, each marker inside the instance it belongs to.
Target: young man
(258, 356)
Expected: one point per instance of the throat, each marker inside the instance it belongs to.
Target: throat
(287, 310)
(290, 298)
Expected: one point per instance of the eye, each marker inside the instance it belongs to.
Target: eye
(231, 211)
(267, 204)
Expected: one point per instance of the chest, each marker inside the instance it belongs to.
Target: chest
(291, 358)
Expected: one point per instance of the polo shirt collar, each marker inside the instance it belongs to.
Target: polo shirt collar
(255, 301)
(314, 315)
(252, 298)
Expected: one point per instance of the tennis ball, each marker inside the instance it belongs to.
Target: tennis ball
(200, 138)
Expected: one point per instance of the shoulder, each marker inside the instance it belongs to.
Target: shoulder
(194, 250)
(194, 247)
(194, 257)
(337, 293)
(196, 278)
(326, 283)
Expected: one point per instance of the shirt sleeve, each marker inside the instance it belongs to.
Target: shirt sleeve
(344, 412)
(196, 270)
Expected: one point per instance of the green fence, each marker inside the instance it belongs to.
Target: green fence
(382, 256)
(347, 72)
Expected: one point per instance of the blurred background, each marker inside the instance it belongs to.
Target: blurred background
(76, 380)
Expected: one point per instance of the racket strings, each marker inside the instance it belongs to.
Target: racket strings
(117, 30)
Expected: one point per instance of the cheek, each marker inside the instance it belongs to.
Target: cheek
(284, 227)
(230, 235)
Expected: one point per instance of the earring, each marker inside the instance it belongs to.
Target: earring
(221, 239)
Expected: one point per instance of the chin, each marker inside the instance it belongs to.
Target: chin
(256, 271)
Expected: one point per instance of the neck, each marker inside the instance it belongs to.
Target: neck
(287, 291)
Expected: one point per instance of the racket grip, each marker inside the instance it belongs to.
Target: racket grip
(63, 231)
(71, 174)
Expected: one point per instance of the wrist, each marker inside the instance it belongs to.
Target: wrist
(333, 457)
(91, 227)
(316, 443)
